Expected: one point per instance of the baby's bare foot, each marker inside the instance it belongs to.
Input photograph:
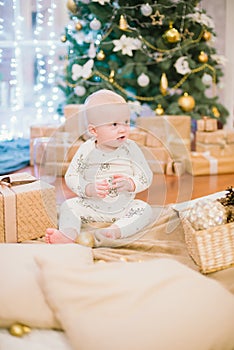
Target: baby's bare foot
(54, 236)
(110, 232)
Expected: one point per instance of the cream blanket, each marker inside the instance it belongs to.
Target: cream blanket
(163, 239)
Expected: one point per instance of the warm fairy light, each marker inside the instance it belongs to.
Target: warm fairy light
(18, 116)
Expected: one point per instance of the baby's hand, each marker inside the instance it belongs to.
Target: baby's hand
(98, 189)
(123, 183)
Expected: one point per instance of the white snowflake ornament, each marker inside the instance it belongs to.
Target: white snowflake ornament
(126, 45)
(84, 71)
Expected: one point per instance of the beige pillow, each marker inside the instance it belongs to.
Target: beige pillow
(157, 304)
(21, 299)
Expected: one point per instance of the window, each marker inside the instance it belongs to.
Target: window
(30, 48)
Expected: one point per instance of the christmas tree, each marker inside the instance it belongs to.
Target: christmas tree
(158, 54)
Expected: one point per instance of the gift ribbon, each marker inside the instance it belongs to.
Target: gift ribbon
(9, 205)
(212, 161)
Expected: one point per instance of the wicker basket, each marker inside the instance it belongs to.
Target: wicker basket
(211, 249)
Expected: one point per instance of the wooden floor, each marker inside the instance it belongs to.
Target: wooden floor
(165, 189)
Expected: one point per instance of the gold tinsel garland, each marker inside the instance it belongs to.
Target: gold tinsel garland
(147, 99)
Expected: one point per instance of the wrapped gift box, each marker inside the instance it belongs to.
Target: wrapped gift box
(75, 121)
(158, 153)
(63, 152)
(138, 136)
(218, 137)
(207, 124)
(152, 140)
(157, 162)
(202, 163)
(218, 150)
(169, 130)
(230, 136)
(218, 143)
(72, 109)
(42, 130)
(175, 167)
(27, 207)
(58, 168)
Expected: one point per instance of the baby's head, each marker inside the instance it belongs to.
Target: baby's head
(106, 106)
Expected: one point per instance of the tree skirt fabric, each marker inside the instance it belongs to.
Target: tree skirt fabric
(14, 155)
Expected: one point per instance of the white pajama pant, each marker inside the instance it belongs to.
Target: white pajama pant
(131, 220)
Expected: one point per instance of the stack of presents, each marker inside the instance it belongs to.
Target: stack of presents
(165, 141)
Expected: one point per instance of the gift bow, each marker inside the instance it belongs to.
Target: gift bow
(7, 181)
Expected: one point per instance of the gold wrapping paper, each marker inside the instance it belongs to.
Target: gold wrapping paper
(205, 164)
(27, 208)
(230, 136)
(175, 167)
(158, 153)
(179, 148)
(138, 136)
(72, 109)
(59, 168)
(152, 141)
(207, 124)
(43, 130)
(75, 122)
(169, 130)
(225, 150)
(218, 136)
(162, 125)
(157, 165)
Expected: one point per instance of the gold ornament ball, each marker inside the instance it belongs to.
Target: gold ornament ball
(203, 57)
(101, 55)
(78, 26)
(172, 35)
(159, 110)
(26, 329)
(63, 38)
(86, 239)
(215, 111)
(206, 35)
(16, 330)
(186, 102)
(71, 6)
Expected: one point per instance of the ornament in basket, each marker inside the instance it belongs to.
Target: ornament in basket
(209, 233)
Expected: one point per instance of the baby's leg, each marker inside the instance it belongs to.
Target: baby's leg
(54, 236)
(112, 232)
(69, 224)
(137, 216)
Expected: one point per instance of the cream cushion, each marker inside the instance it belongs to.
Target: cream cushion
(21, 299)
(157, 304)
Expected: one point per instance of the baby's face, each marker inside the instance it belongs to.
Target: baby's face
(112, 135)
(111, 126)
